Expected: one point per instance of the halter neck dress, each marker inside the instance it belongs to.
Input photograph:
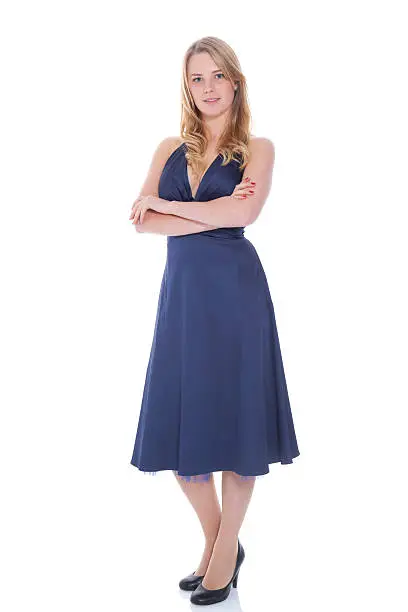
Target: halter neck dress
(215, 396)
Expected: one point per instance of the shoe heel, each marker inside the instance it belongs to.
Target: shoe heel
(235, 581)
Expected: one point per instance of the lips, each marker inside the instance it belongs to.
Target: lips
(211, 99)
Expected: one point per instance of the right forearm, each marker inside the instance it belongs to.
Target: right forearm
(170, 225)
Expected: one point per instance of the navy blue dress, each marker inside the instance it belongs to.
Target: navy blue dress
(215, 395)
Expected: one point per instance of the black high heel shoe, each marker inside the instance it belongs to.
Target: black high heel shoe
(190, 582)
(203, 596)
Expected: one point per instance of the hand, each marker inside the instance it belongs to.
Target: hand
(244, 188)
(143, 203)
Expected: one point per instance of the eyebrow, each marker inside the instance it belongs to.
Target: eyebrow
(200, 73)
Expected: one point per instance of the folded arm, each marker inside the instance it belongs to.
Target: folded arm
(226, 211)
(229, 211)
(180, 218)
(157, 222)
(170, 225)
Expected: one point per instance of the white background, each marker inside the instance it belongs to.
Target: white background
(88, 91)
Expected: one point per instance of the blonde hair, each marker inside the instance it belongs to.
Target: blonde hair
(233, 143)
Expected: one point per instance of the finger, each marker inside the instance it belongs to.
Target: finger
(136, 217)
(244, 192)
(247, 180)
(238, 196)
(248, 183)
(132, 212)
(136, 202)
(248, 191)
(244, 188)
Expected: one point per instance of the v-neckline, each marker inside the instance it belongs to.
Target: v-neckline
(202, 178)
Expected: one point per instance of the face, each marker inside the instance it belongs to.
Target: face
(205, 81)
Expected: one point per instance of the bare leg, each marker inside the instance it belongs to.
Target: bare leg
(236, 495)
(204, 499)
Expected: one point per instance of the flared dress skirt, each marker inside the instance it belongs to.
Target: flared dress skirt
(215, 396)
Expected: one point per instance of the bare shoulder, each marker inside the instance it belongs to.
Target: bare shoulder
(171, 143)
(164, 149)
(160, 156)
(166, 146)
(262, 145)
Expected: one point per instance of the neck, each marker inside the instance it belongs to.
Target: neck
(214, 127)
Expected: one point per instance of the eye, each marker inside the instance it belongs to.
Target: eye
(221, 74)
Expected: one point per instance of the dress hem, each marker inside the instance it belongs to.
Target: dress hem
(206, 474)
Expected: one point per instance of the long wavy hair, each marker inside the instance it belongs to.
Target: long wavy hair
(233, 142)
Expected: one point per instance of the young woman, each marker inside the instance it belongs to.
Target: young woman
(215, 396)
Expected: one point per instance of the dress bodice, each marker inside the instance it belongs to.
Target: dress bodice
(216, 182)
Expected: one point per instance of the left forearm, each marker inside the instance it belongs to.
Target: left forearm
(226, 211)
